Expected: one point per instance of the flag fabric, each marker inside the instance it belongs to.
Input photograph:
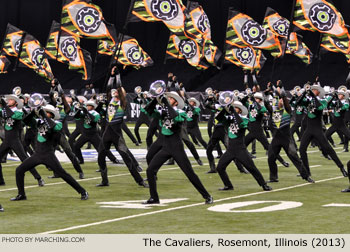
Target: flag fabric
(247, 57)
(243, 31)
(182, 47)
(68, 51)
(280, 27)
(4, 64)
(33, 56)
(83, 19)
(319, 15)
(170, 12)
(297, 48)
(336, 45)
(197, 27)
(197, 23)
(12, 42)
(130, 53)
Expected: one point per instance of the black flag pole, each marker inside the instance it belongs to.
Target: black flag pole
(318, 55)
(119, 42)
(290, 30)
(19, 51)
(60, 30)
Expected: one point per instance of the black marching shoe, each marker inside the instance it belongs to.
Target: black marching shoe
(144, 184)
(99, 170)
(2, 183)
(1, 208)
(212, 168)
(81, 175)
(346, 150)
(209, 200)
(151, 201)
(170, 162)
(346, 190)
(139, 168)
(244, 171)
(345, 174)
(84, 195)
(285, 164)
(199, 162)
(115, 161)
(272, 181)
(102, 184)
(266, 188)
(41, 182)
(19, 197)
(226, 188)
(310, 180)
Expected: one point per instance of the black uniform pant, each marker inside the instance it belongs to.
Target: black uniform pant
(297, 125)
(49, 159)
(129, 133)
(256, 132)
(143, 119)
(195, 133)
(172, 146)
(63, 142)
(238, 151)
(314, 131)
(282, 139)
(187, 141)
(93, 138)
(218, 135)
(30, 140)
(73, 136)
(152, 129)
(112, 136)
(13, 142)
(340, 127)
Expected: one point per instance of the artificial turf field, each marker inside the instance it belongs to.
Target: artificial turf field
(57, 208)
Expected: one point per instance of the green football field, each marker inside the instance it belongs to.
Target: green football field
(294, 206)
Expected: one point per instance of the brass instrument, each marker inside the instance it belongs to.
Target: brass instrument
(226, 98)
(248, 91)
(157, 88)
(36, 100)
(55, 95)
(332, 90)
(297, 89)
(138, 90)
(307, 87)
(17, 91)
(209, 91)
(236, 93)
(293, 92)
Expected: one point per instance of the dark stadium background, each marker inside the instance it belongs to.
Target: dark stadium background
(35, 17)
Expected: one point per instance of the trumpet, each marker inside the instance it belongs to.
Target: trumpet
(209, 91)
(17, 91)
(236, 92)
(36, 100)
(297, 89)
(138, 90)
(72, 92)
(226, 98)
(342, 89)
(307, 87)
(157, 88)
(248, 91)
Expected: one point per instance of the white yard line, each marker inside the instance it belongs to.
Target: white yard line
(180, 207)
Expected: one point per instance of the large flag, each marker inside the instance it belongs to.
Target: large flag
(67, 50)
(280, 27)
(197, 27)
(197, 23)
(243, 31)
(247, 57)
(84, 19)
(130, 53)
(4, 64)
(182, 47)
(336, 45)
(12, 42)
(170, 12)
(319, 15)
(33, 56)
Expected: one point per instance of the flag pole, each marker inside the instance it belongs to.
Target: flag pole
(318, 55)
(20, 51)
(119, 43)
(60, 30)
